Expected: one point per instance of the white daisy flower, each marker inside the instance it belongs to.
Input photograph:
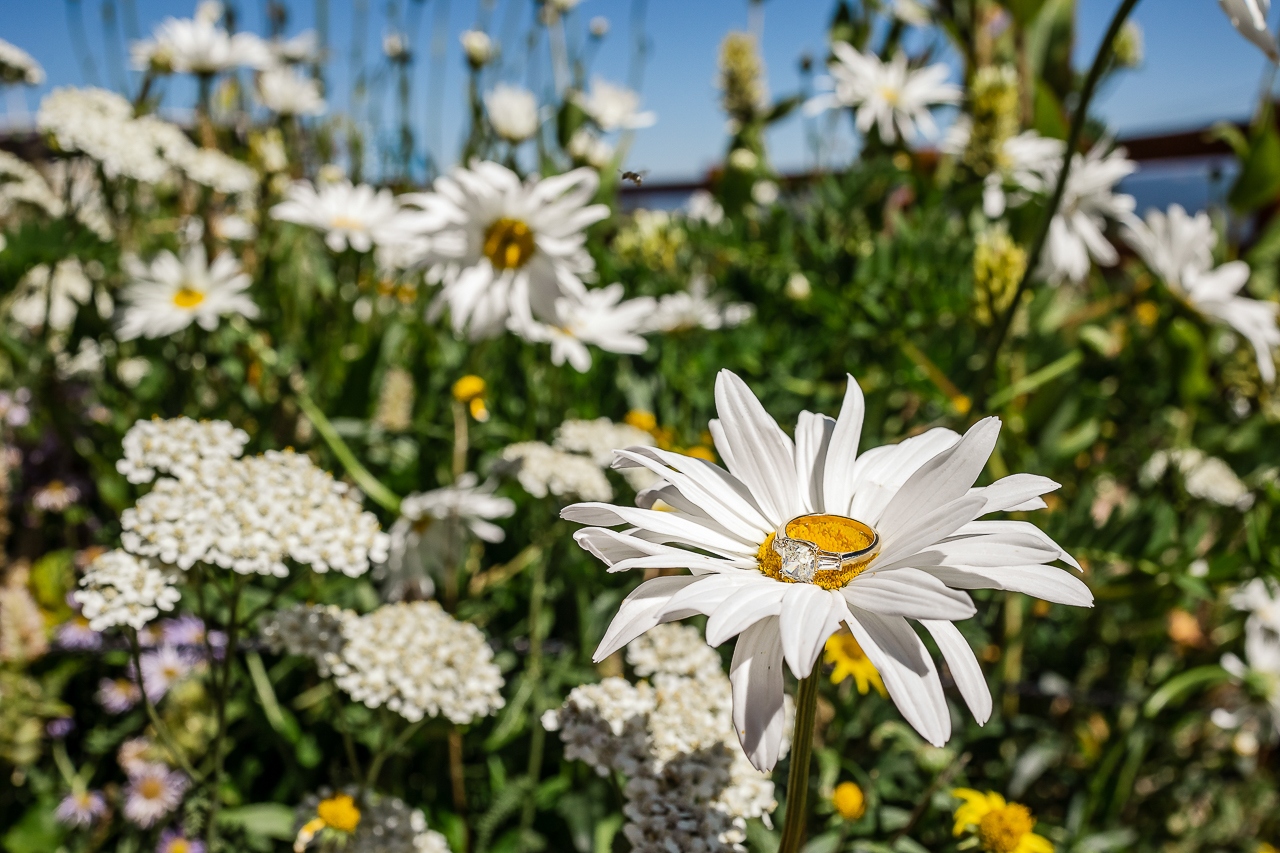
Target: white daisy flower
(283, 90)
(466, 500)
(355, 216)
(199, 46)
(18, 66)
(614, 107)
(598, 317)
(169, 294)
(478, 47)
(890, 97)
(513, 112)
(501, 243)
(915, 499)
(1179, 248)
(1075, 234)
(1028, 163)
(1249, 17)
(304, 47)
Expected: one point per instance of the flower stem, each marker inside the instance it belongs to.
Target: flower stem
(166, 736)
(372, 487)
(798, 778)
(1081, 113)
(223, 697)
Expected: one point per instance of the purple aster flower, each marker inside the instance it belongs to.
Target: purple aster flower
(80, 809)
(59, 727)
(173, 841)
(118, 695)
(187, 632)
(161, 669)
(75, 633)
(153, 791)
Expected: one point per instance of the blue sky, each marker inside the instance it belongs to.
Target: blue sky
(1197, 68)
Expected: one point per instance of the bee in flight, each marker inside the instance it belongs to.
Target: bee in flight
(636, 178)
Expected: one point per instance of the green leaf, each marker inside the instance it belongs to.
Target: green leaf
(1259, 180)
(38, 831)
(270, 820)
(1176, 688)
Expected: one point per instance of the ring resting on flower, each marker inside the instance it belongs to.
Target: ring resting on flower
(819, 548)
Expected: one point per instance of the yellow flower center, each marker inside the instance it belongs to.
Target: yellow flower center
(830, 533)
(150, 789)
(340, 812)
(179, 845)
(890, 94)
(346, 223)
(1002, 829)
(849, 801)
(508, 244)
(187, 297)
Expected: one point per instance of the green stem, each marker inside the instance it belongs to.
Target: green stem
(224, 695)
(372, 487)
(1100, 61)
(179, 757)
(538, 736)
(798, 778)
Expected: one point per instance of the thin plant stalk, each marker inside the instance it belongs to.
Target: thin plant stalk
(224, 695)
(372, 487)
(538, 735)
(166, 736)
(793, 827)
(381, 756)
(1100, 61)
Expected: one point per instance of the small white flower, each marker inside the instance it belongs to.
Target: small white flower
(304, 47)
(1076, 232)
(798, 287)
(169, 294)
(543, 469)
(395, 47)
(513, 112)
(764, 193)
(199, 46)
(1028, 163)
(153, 792)
(889, 97)
(743, 159)
(1249, 17)
(599, 317)
(587, 146)
(286, 91)
(703, 207)
(53, 295)
(697, 308)
(614, 107)
(355, 216)
(466, 501)
(478, 47)
(18, 66)
(121, 589)
(599, 26)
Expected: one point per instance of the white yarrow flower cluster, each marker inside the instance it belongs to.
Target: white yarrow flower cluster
(311, 631)
(599, 438)
(419, 661)
(176, 446)
(691, 787)
(1179, 248)
(251, 515)
(1205, 477)
(18, 66)
(543, 469)
(121, 589)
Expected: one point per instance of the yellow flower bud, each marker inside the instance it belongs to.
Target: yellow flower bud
(468, 388)
(849, 801)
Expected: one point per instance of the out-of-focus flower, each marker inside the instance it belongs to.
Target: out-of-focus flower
(338, 813)
(598, 317)
(395, 400)
(1261, 599)
(912, 13)
(53, 295)
(743, 90)
(76, 634)
(743, 159)
(999, 826)
(170, 294)
(907, 500)
(614, 107)
(798, 287)
(355, 216)
(542, 470)
(18, 66)
(466, 501)
(1184, 628)
(55, 496)
(311, 631)
(764, 193)
(1249, 17)
(585, 145)
(23, 630)
(287, 92)
(849, 801)
(697, 308)
(505, 246)
(304, 47)
(80, 808)
(199, 46)
(162, 668)
(396, 47)
(1179, 249)
(176, 446)
(153, 792)
(1128, 47)
(888, 96)
(1205, 477)
(188, 633)
(512, 111)
(59, 727)
(703, 207)
(1075, 234)
(478, 47)
(379, 824)
(598, 26)
(121, 589)
(998, 267)
(851, 661)
(470, 390)
(173, 841)
(117, 695)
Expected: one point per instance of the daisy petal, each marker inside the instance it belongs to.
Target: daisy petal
(749, 605)
(762, 455)
(756, 675)
(935, 526)
(943, 478)
(837, 478)
(964, 667)
(907, 671)
(1046, 582)
(809, 616)
(907, 592)
(640, 611)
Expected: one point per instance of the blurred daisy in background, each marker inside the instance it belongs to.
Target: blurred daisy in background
(1088, 201)
(890, 97)
(357, 216)
(170, 294)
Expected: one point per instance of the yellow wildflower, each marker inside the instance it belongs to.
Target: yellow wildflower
(470, 390)
(1000, 827)
(642, 420)
(338, 813)
(843, 651)
(849, 801)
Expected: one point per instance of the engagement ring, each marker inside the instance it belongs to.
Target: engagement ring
(802, 559)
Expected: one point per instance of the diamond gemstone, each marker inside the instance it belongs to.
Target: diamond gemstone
(799, 561)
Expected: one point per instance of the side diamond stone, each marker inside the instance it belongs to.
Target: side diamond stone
(799, 561)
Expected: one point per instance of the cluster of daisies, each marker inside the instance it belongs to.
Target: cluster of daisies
(689, 786)
(154, 790)
(410, 657)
